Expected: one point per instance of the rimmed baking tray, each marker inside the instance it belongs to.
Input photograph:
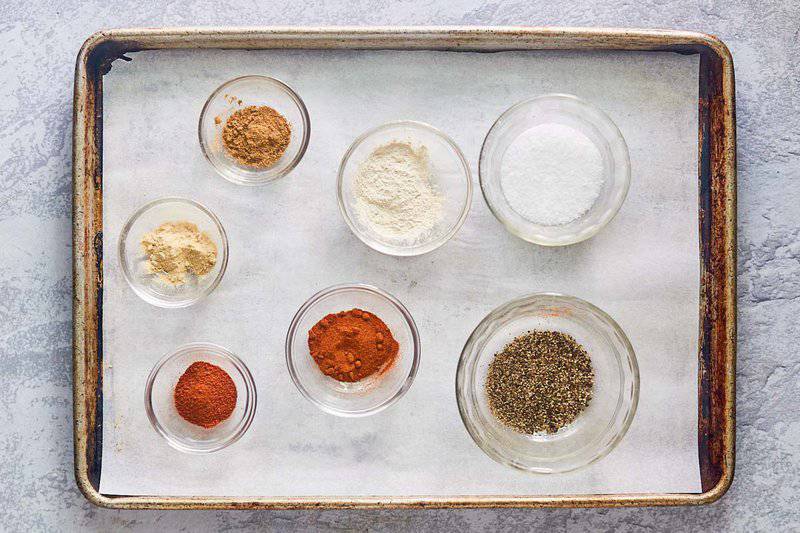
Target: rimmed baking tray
(717, 220)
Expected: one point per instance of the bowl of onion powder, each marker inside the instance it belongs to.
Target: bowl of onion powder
(404, 188)
(554, 169)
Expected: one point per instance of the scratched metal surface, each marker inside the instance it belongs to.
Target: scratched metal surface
(35, 277)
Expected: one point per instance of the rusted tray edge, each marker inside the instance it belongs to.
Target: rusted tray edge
(718, 282)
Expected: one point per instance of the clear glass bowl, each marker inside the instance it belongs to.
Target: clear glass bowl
(134, 261)
(160, 404)
(240, 93)
(449, 170)
(373, 393)
(597, 430)
(565, 110)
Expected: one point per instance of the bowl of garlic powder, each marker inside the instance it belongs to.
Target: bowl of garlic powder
(404, 188)
(173, 252)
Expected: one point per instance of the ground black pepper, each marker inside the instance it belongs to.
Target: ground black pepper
(540, 382)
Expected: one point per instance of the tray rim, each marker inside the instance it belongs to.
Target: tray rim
(717, 142)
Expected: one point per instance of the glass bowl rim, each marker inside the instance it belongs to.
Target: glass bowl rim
(468, 353)
(340, 288)
(306, 121)
(154, 300)
(572, 100)
(250, 400)
(418, 249)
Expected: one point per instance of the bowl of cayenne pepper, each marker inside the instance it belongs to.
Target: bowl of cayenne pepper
(353, 350)
(201, 398)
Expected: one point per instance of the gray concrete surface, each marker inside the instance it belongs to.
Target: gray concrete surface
(39, 43)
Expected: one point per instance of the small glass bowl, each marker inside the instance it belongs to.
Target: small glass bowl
(597, 430)
(160, 404)
(374, 393)
(449, 170)
(237, 94)
(134, 261)
(565, 110)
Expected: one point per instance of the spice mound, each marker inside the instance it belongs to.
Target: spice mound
(352, 345)
(205, 395)
(552, 174)
(256, 136)
(540, 382)
(176, 249)
(395, 193)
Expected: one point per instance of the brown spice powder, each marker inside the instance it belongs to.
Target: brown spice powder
(256, 136)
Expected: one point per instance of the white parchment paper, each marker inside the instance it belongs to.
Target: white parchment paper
(288, 240)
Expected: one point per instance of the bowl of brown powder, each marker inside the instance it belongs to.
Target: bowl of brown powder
(254, 130)
(547, 383)
(173, 252)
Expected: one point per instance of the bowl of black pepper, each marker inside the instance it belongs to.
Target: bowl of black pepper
(547, 383)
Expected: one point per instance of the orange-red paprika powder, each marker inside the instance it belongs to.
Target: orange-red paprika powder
(205, 395)
(352, 345)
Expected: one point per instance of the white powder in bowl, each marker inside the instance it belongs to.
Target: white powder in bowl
(395, 195)
(552, 174)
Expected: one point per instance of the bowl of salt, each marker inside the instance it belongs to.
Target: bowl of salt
(554, 169)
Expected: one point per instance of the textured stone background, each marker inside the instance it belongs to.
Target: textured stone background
(40, 41)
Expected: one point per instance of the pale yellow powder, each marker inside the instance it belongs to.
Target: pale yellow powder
(176, 249)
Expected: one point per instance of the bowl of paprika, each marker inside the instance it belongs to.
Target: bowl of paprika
(353, 350)
(201, 398)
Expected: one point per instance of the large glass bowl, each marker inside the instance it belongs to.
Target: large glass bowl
(238, 94)
(373, 393)
(160, 404)
(450, 173)
(565, 110)
(597, 430)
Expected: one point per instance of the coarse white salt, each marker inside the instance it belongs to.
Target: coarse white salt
(552, 174)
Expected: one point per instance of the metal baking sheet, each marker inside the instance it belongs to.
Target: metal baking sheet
(470, 294)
